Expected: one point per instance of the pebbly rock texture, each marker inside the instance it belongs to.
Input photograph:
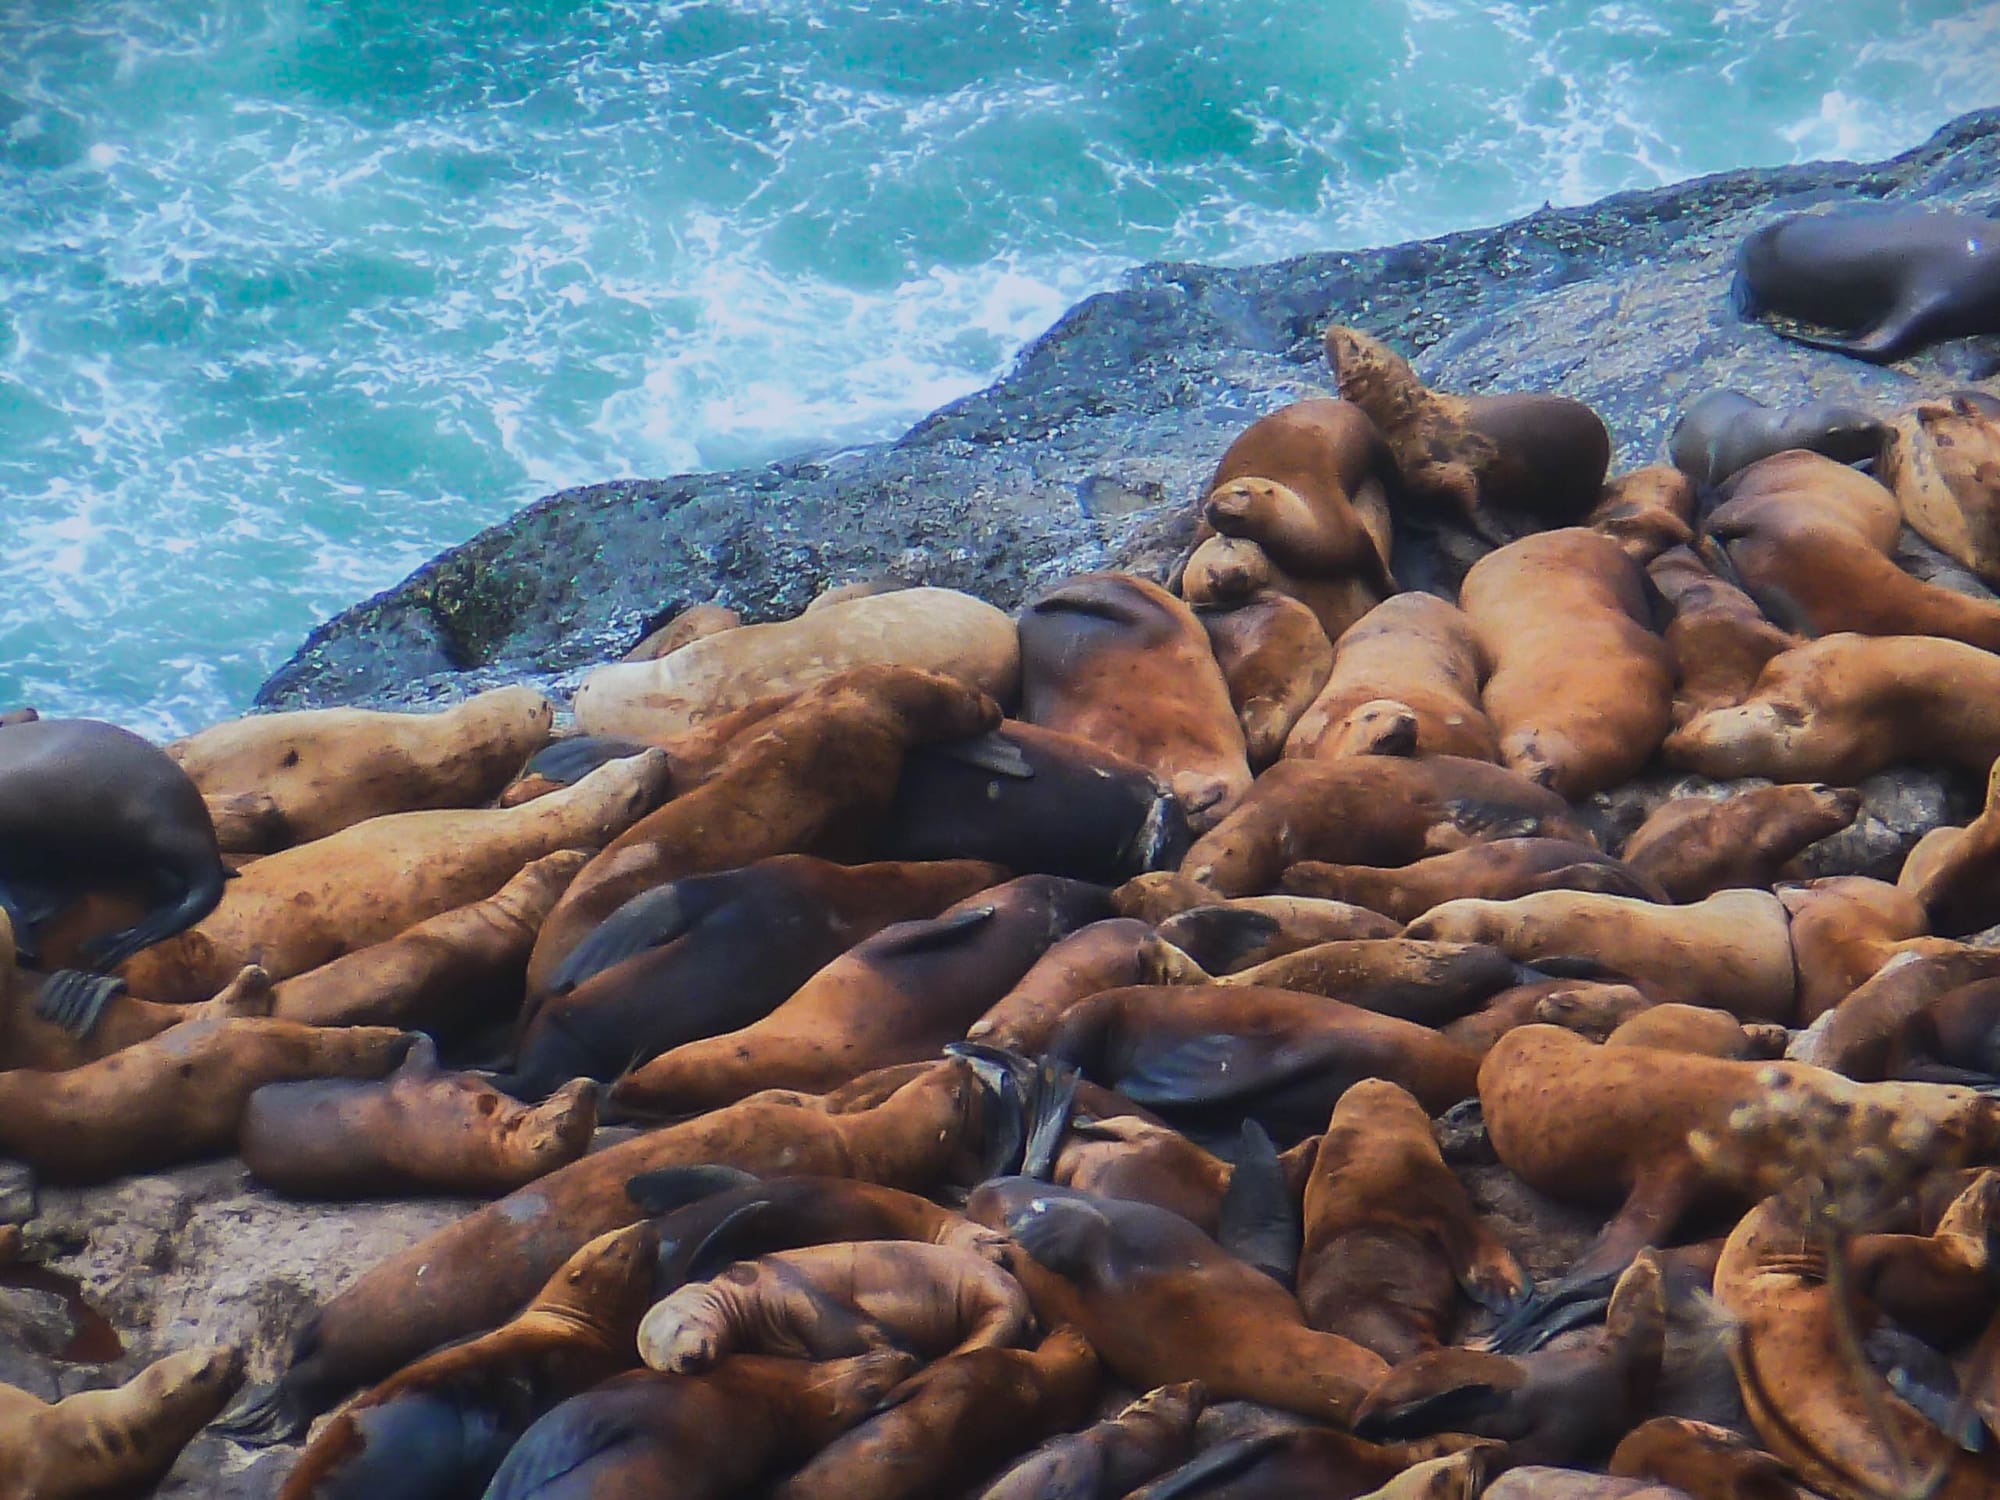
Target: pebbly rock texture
(1091, 451)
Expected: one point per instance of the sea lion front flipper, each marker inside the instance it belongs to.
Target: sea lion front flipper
(1219, 937)
(992, 751)
(1225, 1460)
(670, 1188)
(1259, 1219)
(1054, 1104)
(652, 919)
(74, 1000)
(108, 950)
(1067, 1235)
(938, 932)
(264, 1415)
(557, 1445)
(1455, 1408)
(1488, 1272)
(1220, 1067)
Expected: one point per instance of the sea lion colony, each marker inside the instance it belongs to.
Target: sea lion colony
(1026, 1044)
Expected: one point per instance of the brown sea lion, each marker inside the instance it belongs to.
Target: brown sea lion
(1722, 432)
(329, 768)
(1647, 511)
(896, 997)
(1370, 810)
(1496, 871)
(1275, 656)
(1869, 1035)
(1112, 1458)
(420, 1130)
(1430, 983)
(1162, 1302)
(953, 1422)
(306, 906)
(1227, 937)
(1100, 956)
(829, 1301)
(1812, 541)
(1160, 894)
(1674, 1027)
(1952, 871)
(1844, 928)
(1390, 1235)
(1696, 846)
(923, 629)
(111, 1442)
(447, 1420)
(1334, 462)
(1581, 690)
(1704, 1461)
(1413, 650)
(1942, 460)
(1846, 706)
(696, 622)
(1730, 950)
(1589, 1007)
(1121, 662)
(1719, 638)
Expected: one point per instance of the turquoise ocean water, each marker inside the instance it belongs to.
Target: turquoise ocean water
(295, 293)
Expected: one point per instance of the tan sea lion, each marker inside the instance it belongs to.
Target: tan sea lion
(1413, 650)
(1704, 1461)
(1158, 894)
(1674, 1027)
(1112, 1458)
(1275, 657)
(1495, 871)
(1719, 638)
(1952, 871)
(1844, 928)
(1647, 511)
(1227, 937)
(1696, 846)
(1589, 1007)
(1581, 689)
(1430, 983)
(1100, 956)
(696, 622)
(329, 768)
(925, 629)
(1942, 461)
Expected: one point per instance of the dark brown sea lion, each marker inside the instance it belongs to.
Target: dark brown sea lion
(1430, 983)
(1722, 432)
(1100, 956)
(1942, 460)
(84, 804)
(1413, 651)
(1275, 656)
(1874, 1031)
(1696, 846)
(1118, 1454)
(1589, 1007)
(445, 1422)
(1496, 871)
(1955, 872)
(1844, 928)
(1898, 278)
(1719, 638)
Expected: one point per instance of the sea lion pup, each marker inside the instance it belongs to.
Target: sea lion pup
(1952, 871)
(1546, 455)
(1833, 1421)
(1430, 983)
(1275, 656)
(1721, 432)
(1811, 541)
(443, 1424)
(1696, 846)
(921, 629)
(1390, 1235)
(111, 1442)
(1647, 512)
(420, 1130)
(953, 1422)
(565, 762)
(1373, 809)
(1581, 690)
(306, 906)
(471, 1274)
(1730, 950)
(330, 768)
(1037, 801)
(896, 997)
(85, 805)
(1846, 706)
(1414, 650)
(1496, 871)
(176, 1097)
(804, 780)
(1107, 1461)
(1226, 937)
(827, 1301)
(1844, 928)
(1897, 278)
(1942, 460)
(1124, 664)
(695, 1437)
(1212, 1055)
(1552, 1406)
(1719, 638)
(695, 623)
(707, 955)
(1163, 1302)
(1100, 956)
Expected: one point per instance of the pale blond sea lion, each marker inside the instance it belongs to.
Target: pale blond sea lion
(1942, 460)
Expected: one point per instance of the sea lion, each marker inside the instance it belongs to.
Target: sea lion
(1897, 277)
(1100, 956)
(1162, 1302)
(1674, 1027)
(1121, 662)
(1704, 1461)
(1415, 651)
(695, 1437)
(419, 1130)
(565, 762)
(807, 779)
(111, 1442)
(1647, 512)
(1730, 950)
(1844, 928)
(1589, 1007)
(85, 804)
(1942, 461)
(1812, 540)
(696, 622)
(895, 997)
(953, 1422)
(1370, 810)
(447, 1420)
(1846, 706)
(1390, 1235)
(1696, 846)
(1719, 638)
(1496, 871)
(329, 768)
(1869, 1034)
(176, 1097)
(1227, 937)
(1430, 983)
(829, 1301)
(1275, 656)
(1581, 689)
(1721, 432)
(1334, 463)
(924, 629)
(1951, 871)
(306, 906)
(1118, 1454)
(728, 947)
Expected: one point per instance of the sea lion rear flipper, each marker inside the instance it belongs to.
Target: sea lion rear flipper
(988, 752)
(1224, 1461)
(74, 1000)
(1259, 1220)
(670, 1188)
